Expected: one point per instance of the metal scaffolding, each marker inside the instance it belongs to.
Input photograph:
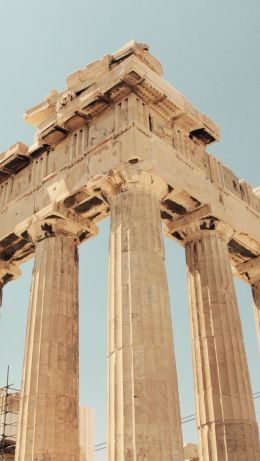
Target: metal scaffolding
(9, 403)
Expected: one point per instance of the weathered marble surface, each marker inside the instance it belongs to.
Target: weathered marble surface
(144, 415)
(225, 409)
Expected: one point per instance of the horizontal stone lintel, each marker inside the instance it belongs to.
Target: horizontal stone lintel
(83, 179)
(249, 271)
(195, 215)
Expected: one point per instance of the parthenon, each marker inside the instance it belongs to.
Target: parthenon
(120, 141)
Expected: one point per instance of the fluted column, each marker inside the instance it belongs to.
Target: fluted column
(256, 298)
(250, 271)
(48, 421)
(255, 282)
(225, 410)
(144, 416)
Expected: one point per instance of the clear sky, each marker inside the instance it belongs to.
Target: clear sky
(210, 51)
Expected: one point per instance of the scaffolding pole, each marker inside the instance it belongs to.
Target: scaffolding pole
(7, 440)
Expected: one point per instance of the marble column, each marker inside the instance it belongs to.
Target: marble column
(48, 420)
(250, 272)
(255, 282)
(256, 298)
(225, 410)
(144, 416)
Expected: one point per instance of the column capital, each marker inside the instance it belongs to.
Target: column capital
(249, 270)
(60, 220)
(133, 178)
(199, 223)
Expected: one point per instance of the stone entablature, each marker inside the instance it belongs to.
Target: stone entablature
(120, 110)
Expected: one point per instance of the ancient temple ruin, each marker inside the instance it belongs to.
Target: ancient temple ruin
(121, 141)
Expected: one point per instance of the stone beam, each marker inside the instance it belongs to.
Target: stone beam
(83, 176)
(249, 270)
(197, 214)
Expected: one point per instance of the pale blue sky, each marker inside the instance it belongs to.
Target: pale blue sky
(210, 52)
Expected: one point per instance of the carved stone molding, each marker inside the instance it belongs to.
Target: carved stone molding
(64, 99)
